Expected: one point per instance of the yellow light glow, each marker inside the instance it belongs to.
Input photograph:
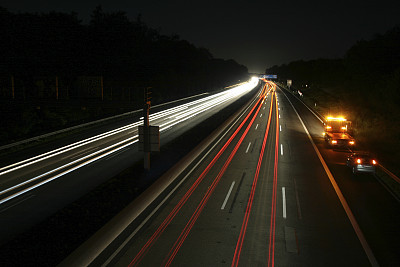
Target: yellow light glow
(374, 162)
(358, 161)
(328, 127)
(336, 119)
(334, 142)
(352, 142)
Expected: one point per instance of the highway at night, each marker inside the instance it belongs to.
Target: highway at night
(265, 191)
(33, 188)
(140, 133)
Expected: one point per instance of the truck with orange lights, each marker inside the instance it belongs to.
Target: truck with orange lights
(338, 132)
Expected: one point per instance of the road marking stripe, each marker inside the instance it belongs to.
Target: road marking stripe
(281, 149)
(227, 196)
(280, 128)
(247, 150)
(117, 251)
(261, 115)
(256, 126)
(284, 202)
(297, 200)
(343, 201)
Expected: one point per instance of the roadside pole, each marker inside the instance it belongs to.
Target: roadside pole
(149, 136)
(146, 124)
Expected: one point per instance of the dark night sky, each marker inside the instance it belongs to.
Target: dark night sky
(255, 33)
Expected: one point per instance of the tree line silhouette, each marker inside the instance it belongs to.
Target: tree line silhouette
(369, 73)
(54, 56)
(366, 81)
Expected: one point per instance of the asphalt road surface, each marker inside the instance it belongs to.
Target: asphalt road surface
(267, 192)
(35, 184)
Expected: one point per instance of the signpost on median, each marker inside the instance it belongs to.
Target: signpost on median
(149, 136)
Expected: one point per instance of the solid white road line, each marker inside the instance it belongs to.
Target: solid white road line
(247, 150)
(342, 200)
(166, 198)
(284, 202)
(227, 196)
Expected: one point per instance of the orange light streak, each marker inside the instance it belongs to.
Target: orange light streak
(239, 245)
(184, 199)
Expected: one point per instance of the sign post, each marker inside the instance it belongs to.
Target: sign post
(289, 83)
(149, 136)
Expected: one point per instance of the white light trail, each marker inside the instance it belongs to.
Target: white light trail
(182, 112)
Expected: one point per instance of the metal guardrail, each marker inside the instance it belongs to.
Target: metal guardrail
(37, 138)
(392, 175)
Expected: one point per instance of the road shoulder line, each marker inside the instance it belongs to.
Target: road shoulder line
(343, 201)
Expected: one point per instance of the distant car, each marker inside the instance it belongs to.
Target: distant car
(361, 162)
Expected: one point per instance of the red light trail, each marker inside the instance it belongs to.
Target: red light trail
(239, 245)
(271, 250)
(209, 192)
(176, 209)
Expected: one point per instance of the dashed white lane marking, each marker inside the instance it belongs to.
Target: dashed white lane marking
(280, 128)
(281, 149)
(227, 196)
(261, 115)
(343, 201)
(247, 150)
(256, 126)
(284, 202)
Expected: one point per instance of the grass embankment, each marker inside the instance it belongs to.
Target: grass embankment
(374, 132)
(49, 242)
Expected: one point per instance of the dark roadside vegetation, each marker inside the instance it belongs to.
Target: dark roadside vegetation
(51, 241)
(363, 86)
(56, 72)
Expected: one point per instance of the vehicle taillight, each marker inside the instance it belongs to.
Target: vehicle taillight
(334, 142)
(328, 127)
(374, 162)
(352, 142)
(358, 161)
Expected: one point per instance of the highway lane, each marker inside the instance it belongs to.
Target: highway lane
(199, 183)
(265, 200)
(375, 209)
(67, 172)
